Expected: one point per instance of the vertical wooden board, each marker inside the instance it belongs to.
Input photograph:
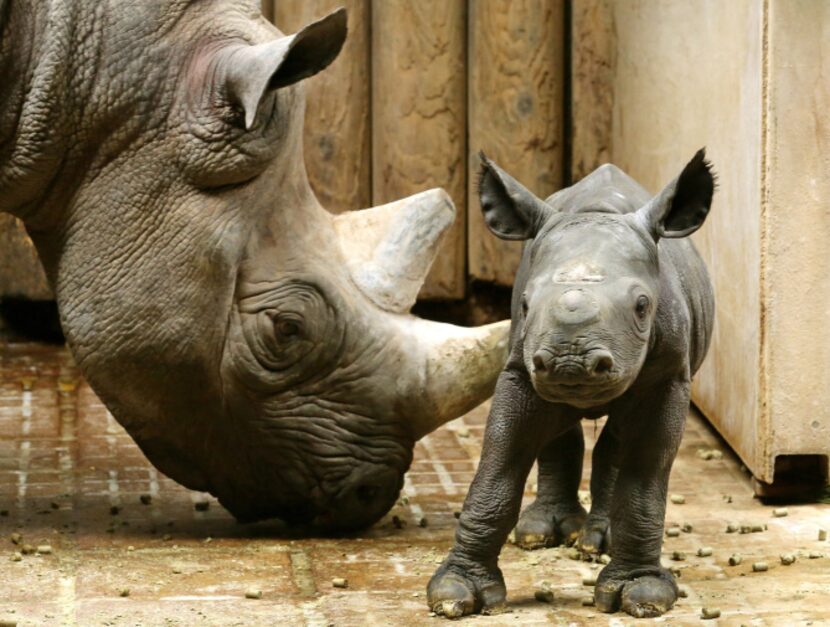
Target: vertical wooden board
(593, 60)
(268, 9)
(515, 96)
(419, 116)
(337, 119)
(21, 273)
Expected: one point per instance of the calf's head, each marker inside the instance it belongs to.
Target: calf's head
(591, 283)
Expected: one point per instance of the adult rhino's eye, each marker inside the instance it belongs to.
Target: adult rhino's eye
(642, 307)
(524, 306)
(289, 325)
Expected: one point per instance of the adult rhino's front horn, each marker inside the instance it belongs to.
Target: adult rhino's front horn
(390, 249)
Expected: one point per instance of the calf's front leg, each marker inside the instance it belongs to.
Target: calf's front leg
(469, 579)
(650, 427)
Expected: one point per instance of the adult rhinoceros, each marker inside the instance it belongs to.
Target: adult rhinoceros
(254, 345)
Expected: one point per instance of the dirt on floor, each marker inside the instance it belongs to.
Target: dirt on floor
(113, 542)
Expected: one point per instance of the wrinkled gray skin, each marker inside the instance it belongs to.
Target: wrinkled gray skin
(612, 314)
(153, 150)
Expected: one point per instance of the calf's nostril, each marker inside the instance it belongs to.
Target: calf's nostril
(539, 363)
(602, 363)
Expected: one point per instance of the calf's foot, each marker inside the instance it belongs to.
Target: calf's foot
(642, 593)
(457, 589)
(594, 537)
(547, 524)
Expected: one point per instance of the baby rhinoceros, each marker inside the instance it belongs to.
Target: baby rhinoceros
(612, 315)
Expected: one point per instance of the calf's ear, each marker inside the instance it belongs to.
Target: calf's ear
(682, 206)
(511, 211)
(254, 70)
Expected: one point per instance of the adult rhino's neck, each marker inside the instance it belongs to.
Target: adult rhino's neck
(150, 338)
(39, 103)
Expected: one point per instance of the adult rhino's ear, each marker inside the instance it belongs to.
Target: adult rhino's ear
(511, 211)
(253, 70)
(681, 208)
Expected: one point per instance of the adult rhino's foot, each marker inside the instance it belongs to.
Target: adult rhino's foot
(594, 537)
(642, 593)
(548, 524)
(457, 589)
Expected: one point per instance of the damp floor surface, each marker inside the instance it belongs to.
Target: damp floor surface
(130, 547)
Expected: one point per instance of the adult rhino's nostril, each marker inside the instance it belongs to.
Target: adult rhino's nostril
(601, 363)
(539, 364)
(369, 492)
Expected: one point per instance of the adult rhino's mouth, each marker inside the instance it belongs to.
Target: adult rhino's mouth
(368, 496)
(325, 463)
(357, 506)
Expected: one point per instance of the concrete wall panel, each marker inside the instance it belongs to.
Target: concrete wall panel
(797, 233)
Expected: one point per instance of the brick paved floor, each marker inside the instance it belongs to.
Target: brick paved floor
(71, 478)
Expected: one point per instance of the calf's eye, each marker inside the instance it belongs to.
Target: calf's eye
(642, 306)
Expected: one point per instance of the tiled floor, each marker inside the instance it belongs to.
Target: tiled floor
(71, 478)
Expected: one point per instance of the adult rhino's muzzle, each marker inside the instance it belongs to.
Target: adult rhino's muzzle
(367, 495)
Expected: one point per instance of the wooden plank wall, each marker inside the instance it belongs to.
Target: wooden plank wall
(419, 114)
(593, 64)
(337, 129)
(420, 88)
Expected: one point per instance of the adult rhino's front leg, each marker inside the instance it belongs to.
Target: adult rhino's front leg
(556, 516)
(651, 430)
(469, 579)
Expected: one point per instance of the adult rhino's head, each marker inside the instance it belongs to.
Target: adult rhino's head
(253, 344)
(327, 381)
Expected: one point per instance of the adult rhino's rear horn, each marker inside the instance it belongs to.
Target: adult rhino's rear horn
(391, 247)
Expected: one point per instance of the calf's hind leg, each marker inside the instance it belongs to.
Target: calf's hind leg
(595, 537)
(556, 516)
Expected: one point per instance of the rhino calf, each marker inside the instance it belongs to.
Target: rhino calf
(605, 322)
